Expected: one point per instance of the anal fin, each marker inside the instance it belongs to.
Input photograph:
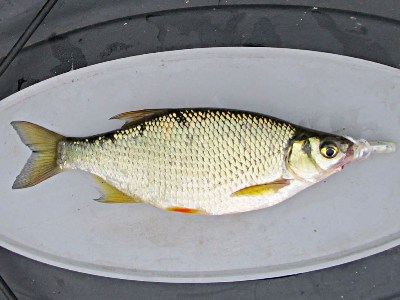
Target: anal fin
(268, 188)
(185, 210)
(112, 194)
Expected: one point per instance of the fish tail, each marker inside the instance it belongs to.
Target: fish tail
(42, 164)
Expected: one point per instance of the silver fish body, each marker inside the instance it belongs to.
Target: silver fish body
(209, 161)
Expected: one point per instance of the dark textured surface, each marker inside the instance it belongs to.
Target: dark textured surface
(377, 277)
(5, 291)
(80, 33)
(70, 15)
(304, 27)
(26, 35)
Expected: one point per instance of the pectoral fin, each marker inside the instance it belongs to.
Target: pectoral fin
(112, 194)
(262, 189)
(135, 116)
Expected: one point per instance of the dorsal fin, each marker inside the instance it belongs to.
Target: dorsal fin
(137, 115)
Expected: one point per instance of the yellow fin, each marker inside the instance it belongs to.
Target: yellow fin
(43, 162)
(112, 194)
(135, 116)
(262, 189)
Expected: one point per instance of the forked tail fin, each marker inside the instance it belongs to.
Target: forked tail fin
(43, 162)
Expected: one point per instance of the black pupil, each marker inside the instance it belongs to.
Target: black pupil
(330, 152)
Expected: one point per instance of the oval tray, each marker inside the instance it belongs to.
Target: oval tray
(351, 215)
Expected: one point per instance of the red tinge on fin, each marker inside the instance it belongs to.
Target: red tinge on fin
(185, 210)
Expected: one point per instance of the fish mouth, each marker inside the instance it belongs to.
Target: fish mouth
(361, 149)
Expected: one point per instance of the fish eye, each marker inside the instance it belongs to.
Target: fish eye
(329, 150)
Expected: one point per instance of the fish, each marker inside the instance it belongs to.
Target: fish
(195, 160)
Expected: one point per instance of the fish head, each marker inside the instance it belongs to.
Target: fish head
(313, 157)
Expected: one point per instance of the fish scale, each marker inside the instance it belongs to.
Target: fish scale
(219, 152)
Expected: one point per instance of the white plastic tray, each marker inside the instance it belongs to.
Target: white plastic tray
(353, 214)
